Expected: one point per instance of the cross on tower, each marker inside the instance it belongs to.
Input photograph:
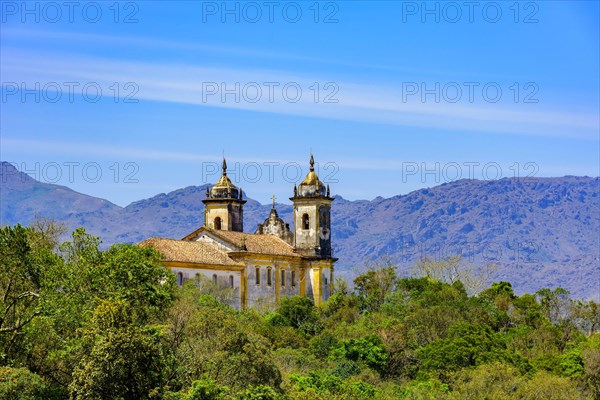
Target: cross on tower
(273, 198)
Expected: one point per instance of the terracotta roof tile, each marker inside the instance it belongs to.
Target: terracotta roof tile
(187, 251)
(257, 243)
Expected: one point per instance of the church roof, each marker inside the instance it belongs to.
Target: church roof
(258, 243)
(254, 242)
(189, 251)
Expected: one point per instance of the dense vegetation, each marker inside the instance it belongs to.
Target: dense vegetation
(77, 322)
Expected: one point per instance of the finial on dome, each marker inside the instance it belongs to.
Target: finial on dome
(295, 190)
(312, 162)
(328, 190)
(241, 192)
(224, 167)
(207, 192)
(273, 198)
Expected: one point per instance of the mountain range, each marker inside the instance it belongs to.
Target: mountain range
(538, 232)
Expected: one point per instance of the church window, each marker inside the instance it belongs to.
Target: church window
(179, 279)
(283, 277)
(218, 223)
(257, 275)
(305, 221)
(231, 281)
(293, 278)
(269, 276)
(215, 278)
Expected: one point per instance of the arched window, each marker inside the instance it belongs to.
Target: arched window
(325, 281)
(269, 276)
(217, 223)
(257, 275)
(293, 278)
(231, 281)
(283, 277)
(179, 279)
(215, 279)
(305, 221)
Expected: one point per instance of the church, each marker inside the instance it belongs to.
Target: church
(264, 266)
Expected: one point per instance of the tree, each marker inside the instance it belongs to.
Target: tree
(210, 341)
(466, 345)
(24, 275)
(375, 285)
(258, 393)
(591, 364)
(84, 278)
(21, 384)
(454, 269)
(555, 303)
(299, 313)
(206, 390)
(368, 349)
(495, 381)
(431, 389)
(548, 387)
(46, 233)
(124, 361)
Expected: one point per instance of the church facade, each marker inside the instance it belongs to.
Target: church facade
(261, 267)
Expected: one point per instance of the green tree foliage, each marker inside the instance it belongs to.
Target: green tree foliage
(324, 385)
(259, 393)
(368, 349)
(21, 384)
(431, 389)
(121, 360)
(467, 345)
(80, 322)
(297, 312)
(375, 285)
(26, 272)
(499, 381)
(206, 390)
(591, 364)
(210, 341)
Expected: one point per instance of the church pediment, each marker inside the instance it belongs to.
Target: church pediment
(210, 237)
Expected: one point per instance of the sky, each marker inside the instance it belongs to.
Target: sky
(126, 100)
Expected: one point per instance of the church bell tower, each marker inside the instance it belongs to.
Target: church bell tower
(224, 205)
(312, 216)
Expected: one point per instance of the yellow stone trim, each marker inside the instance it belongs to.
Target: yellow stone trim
(264, 257)
(303, 201)
(244, 289)
(271, 262)
(317, 289)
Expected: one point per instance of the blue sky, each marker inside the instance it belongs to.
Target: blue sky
(410, 94)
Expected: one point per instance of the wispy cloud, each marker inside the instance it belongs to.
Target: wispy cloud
(356, 101)
(155, 43)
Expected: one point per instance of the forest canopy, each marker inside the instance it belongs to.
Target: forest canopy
(78, 322)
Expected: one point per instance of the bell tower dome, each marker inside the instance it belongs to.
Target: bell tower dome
(312, 216)
(224, 205)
